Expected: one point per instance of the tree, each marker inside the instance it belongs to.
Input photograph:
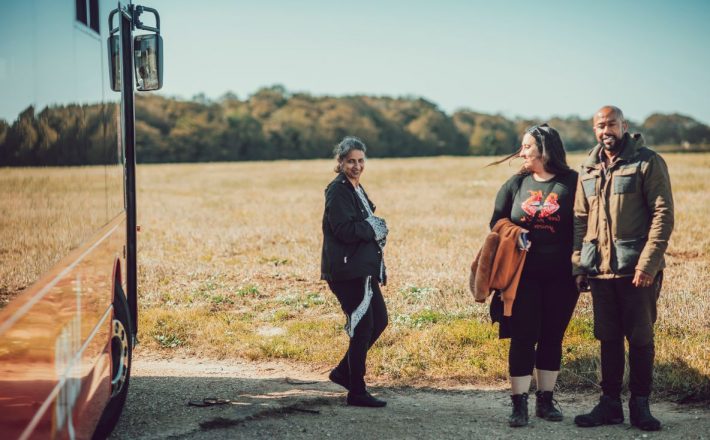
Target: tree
(276, 124)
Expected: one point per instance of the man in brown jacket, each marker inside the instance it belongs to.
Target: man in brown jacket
(623, 219)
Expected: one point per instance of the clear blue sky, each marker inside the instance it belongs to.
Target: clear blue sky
(533, 59)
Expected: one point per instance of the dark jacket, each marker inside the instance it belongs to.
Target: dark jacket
(623, 219)
(349, 247)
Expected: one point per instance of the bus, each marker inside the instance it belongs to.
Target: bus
(68, 273)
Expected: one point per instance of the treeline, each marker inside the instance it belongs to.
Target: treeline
(61, 135)
(276, 124)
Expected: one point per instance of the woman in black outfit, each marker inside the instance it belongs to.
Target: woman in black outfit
(540, 199)
(352, 264)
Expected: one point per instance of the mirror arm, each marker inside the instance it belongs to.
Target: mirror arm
(126, 13)
(148, 28)
(139, 24)
(134, 17)
(113, 30)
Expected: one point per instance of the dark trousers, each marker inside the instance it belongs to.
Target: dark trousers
(622, 310)
(350, 294)
(543, 306)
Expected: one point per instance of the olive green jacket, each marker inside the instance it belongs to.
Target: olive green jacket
(622, 218)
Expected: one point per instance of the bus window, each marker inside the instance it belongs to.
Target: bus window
(87, 12)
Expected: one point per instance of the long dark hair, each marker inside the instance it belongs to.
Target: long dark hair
(551, 148)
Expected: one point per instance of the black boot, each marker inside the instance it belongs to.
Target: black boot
(340, 379)
(607, 412)
(519, 417)
(365, 399)
(640, 414)
(545, 406)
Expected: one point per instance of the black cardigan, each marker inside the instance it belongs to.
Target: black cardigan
(349, 247)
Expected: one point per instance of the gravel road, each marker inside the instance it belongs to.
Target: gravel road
(270, 400)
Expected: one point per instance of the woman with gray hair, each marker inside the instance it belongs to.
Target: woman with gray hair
(353, 265)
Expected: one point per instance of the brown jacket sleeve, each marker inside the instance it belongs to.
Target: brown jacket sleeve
(581, 214)
(479, 281)
(659, 198)
(508, 263)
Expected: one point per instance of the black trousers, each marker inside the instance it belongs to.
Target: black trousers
(622, 310)
(350, 294)
(543, 306)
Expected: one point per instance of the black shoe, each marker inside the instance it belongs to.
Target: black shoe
(607, 412)
(338, 378)
(519, 417)
(545, 406)
(640, 414)
(366, 400)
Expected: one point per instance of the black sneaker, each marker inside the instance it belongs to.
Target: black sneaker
(607, 412)
(545, 406)
(365, 400)
(519, 417)
(640, 414)
(339, 379)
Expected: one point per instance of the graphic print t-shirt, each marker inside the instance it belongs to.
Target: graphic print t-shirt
(543, 208)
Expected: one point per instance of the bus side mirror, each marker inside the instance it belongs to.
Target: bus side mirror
(114, 63)
(148, 61)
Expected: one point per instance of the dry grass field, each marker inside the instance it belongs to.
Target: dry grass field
(229, 258)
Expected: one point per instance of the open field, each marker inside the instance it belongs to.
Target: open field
(229, 260)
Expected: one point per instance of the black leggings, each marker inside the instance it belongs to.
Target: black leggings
(350, 294)
(543, 307)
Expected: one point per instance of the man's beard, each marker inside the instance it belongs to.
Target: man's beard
(613, 147)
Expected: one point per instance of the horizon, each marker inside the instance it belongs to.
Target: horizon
(217, 98)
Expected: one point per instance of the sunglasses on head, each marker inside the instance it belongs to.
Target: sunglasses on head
(538, 132)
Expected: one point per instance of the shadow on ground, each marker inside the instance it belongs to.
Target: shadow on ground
(178, 406)
(283, 407)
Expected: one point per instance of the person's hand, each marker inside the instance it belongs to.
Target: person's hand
(642, 279)
(581, 282)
